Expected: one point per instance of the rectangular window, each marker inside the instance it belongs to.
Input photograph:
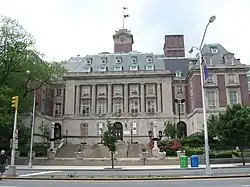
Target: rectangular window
(117, 68)
(102, 90)
(182, 108)
(150, 89)
(85, 91)
(86, 69)
(179, 89)
(134, 106)
(58, 109)
(134, 128)
(118, 90)
(117, 106)
(151, 105)
(233, 97)
(100, 128)
(210, 79)
(101, 107)
(58, 92)
(85, 107)
(102, 68)
(150, 67)
(134, 89)
(83, 129)
(207, 60)
(211, 102)
(231, 78)
(133, 68)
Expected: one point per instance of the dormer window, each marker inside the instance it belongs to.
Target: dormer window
(86, 69)
(104, 60)
(214, 50)
(207, 60)
(117, 68)
(118, 60)
(229, 60)
(89, 61)
(134, 60)
(150, 67)
(133, 68)
(149, 59)
(102, 68)
(178, 73)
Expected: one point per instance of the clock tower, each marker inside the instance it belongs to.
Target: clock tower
(123, 41)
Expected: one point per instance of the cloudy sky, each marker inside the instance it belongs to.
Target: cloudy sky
(65, 28)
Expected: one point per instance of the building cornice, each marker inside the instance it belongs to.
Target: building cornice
(115, 75)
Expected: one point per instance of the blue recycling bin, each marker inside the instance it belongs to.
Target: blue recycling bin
(194, 161)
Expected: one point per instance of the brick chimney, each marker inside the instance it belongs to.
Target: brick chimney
(174, 46)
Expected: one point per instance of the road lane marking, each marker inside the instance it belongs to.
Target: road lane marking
(40, 173)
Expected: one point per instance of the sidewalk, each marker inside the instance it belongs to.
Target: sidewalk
(97, 168)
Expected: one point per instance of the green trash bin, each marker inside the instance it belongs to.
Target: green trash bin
(184, 162)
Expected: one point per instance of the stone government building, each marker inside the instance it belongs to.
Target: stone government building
(132, 90)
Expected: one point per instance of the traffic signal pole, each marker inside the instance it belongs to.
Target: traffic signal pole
(13, 150)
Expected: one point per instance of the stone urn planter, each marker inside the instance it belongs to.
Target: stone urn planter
(51, 154)
(79, 155)
(162, 155)
(114, 155)
(33, 154)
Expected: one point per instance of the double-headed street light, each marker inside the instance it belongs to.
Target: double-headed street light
(208, 168)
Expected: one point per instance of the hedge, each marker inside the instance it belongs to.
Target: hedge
(39, 149)
(194, 151)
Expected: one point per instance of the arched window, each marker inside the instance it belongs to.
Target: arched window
(178, 73)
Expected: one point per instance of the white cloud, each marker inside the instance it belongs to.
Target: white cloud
(65, 28)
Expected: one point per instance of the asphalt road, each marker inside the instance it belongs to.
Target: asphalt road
(244, 182)
(176, 172)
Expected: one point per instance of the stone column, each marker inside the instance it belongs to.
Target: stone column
(167, 99)
(109, 98)
(125, 98)
(142, 87)
(93, 102)
(159, 97)
(77, 100)
(70, 97)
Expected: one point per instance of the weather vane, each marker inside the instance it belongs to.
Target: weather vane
(124, 16)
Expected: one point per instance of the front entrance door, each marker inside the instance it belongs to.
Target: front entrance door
(118, 130)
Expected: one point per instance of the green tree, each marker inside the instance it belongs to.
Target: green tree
(22, 70)
(109, 140)
(232, 127)
(170, 130)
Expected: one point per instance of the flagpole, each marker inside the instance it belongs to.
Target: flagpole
(208, 168)
(123, 17)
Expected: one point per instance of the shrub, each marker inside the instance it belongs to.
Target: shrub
(194, 151)
(40, 149)
(192, 141)
(170, 152)
(227, 154)
(175, 145)
(212, 155)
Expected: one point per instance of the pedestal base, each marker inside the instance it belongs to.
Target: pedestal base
(155, 152)
(29, 165)
(12, 171)
(208, 171)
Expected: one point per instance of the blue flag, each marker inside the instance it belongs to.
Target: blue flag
(205, 72)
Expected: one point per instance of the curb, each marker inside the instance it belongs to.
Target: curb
(130, 179)
(124, 169)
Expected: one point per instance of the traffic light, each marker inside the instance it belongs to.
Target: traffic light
(15, 102)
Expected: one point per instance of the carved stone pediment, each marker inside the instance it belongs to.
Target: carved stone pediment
(117, 114)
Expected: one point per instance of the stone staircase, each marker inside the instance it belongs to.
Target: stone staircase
(124, 150)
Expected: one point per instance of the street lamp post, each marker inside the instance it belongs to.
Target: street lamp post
(32, 126)
(179, 102)
(208, 168)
